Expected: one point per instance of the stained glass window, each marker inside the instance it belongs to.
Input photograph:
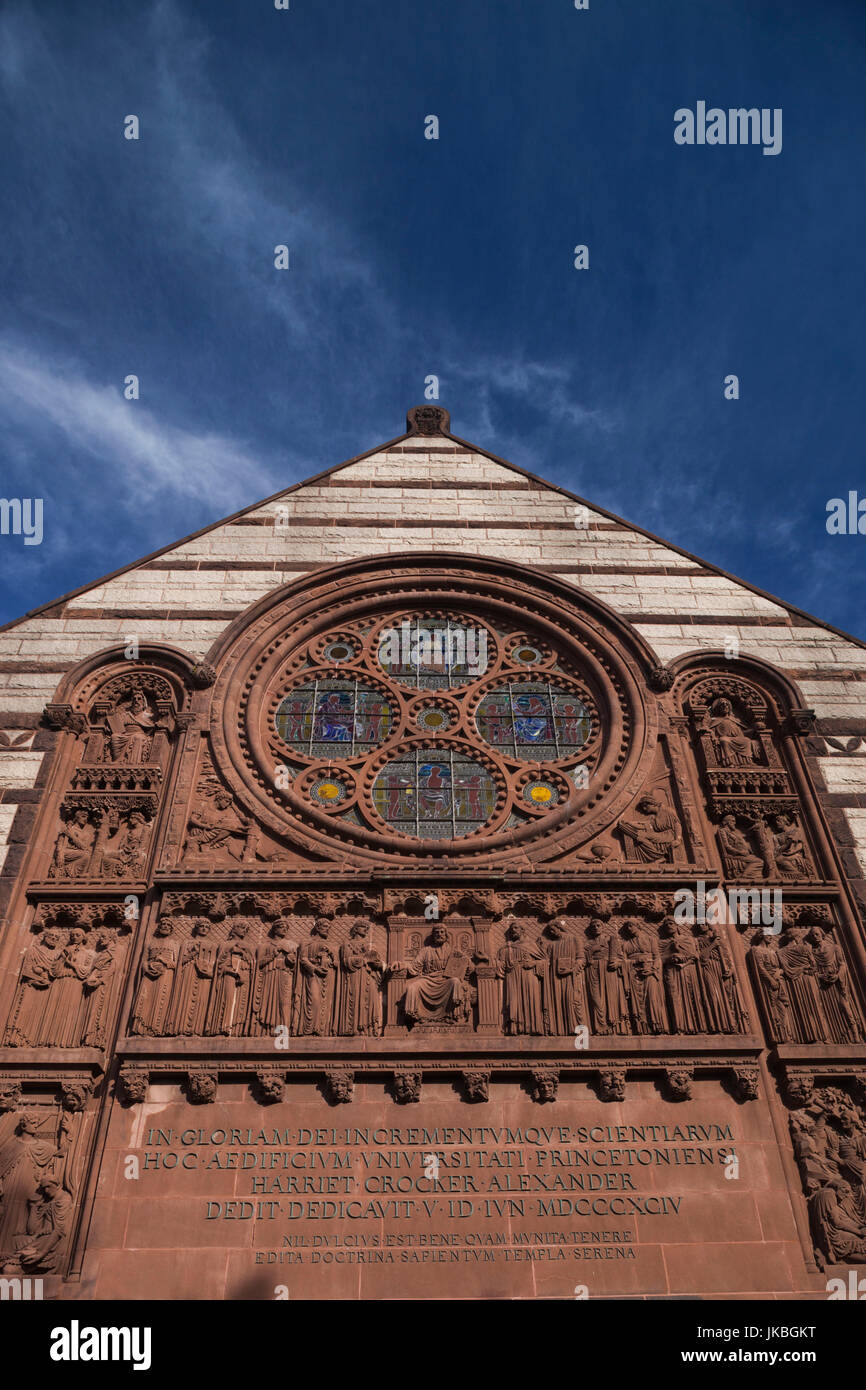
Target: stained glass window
(333, 718)
(434, 794)
(433, 653)
(533, 719)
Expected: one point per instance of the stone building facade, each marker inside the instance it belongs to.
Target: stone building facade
(426, 884)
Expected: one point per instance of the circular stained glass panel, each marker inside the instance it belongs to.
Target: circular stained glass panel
(433, 653)
(333, 718)
(526, 655)
(533, 720)
(339, 651)
(540, 794)
(435, 794)
(434, 719)
(328, 792)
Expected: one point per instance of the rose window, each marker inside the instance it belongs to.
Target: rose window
(435, 726)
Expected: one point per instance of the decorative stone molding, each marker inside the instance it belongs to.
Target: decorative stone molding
(428, 420)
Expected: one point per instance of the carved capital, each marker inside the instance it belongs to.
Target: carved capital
(799, 1087)
(10, 1095)
(745, 1080)
(202, 676)
(65, 717)
(660, 679)
(801, 721)
(75, 1094)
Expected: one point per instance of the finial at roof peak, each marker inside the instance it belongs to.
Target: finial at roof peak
(428, 419)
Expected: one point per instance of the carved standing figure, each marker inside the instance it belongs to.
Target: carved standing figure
(359, 1010)
(834, 984)
(724, 1010)
(150, 1012)
(231, 1001)
(603, 986)
(682, 979)
(800, 967)
(563, 1006)
(771, 986)
(25, 1018)
(315, 995)
(521, 966)
(62, 1022)
(790, 852)
(275, 961)
(97, 987)
(187, 1017)
(642, 977)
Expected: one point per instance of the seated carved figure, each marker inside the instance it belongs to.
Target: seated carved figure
(213, 827)
(131, 729)
(123, 853)
(74, 846)
(49, 1214)
(731, 744)
(654, 837)
(438, 990)
(791, 855)
(740, 861)
(839, 1236)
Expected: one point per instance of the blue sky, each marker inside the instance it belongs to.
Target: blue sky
(452, 257)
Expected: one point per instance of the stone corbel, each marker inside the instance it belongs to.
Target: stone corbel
(65, 717)
(611, 1083)
(680, 1080)
(407, 1086)
(476, 1084)
(132, 1084)
(270, 1086)
(201, 1087)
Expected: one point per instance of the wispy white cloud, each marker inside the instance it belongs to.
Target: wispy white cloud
(550, 389)
(150, 457)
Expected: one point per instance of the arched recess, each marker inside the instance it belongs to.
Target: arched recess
(748, 735)
(563, 684)
(119, 720)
